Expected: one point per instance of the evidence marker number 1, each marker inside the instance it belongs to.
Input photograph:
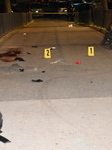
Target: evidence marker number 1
(90, 51)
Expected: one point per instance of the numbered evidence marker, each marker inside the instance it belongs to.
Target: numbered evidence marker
(47, 53)
(90, 51)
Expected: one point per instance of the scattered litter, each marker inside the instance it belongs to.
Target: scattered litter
(21, 70)
(35, 69)
(19, 58)
(78, 62)
(56, 61)
(38, 80)
(28, 53)
(70, 25)
(3, 139)
(43, 71)
(11, 52)
(24, 33)
(52, 48)
(34, 46)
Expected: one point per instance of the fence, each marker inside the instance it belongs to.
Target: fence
(11, 21)
(101, 18)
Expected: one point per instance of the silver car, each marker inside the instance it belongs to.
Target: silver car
(36, 9)
(62, 8)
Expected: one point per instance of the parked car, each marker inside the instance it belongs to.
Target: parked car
(51, 7)
(21, 7)
(37, 9)
(90, 4)
(81, 5)
(62, 8)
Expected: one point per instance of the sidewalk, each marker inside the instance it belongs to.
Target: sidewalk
(45, 116)
(71, 124)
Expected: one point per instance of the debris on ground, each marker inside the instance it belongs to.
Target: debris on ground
(70, 25)
(52, 48)
(78, 62)
(43, 71)
(21, 70)
(56, 61)
(38, 80)
(35, 69)
(34, 46)
(4, 140)
(19, 58)
(28, 53)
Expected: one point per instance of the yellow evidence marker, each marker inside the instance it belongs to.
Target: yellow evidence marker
(90, 51)
(47, 53)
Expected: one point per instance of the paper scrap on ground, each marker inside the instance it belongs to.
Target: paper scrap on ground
(56, 61)
(70, 25)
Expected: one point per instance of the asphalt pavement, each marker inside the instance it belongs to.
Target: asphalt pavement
(57, 103)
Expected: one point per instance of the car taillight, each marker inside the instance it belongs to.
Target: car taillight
(30, 10)
(59, 10)
(42, 10)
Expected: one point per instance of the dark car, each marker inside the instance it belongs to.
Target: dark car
(21, 7)
(81, 5)
(51, 7)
